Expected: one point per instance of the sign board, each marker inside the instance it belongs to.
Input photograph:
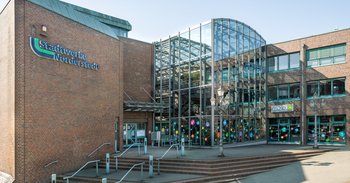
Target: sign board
(140, 133)
(60, 53)
(282, 108)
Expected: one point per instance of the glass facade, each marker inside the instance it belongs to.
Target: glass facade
(331, 129)
(284, 130)
(190, 68)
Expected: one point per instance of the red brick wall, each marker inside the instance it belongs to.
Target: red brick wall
(7, 87)
(137, 61)
(68, 111)
(331, 106)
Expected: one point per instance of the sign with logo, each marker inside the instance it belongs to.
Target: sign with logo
(61, 54)
(282, 108)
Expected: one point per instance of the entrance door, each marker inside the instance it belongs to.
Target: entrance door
(133, 133)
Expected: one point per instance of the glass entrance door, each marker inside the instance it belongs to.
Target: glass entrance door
(133, 133)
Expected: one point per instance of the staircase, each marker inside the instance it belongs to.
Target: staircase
(220, 170)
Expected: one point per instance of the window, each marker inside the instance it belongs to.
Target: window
(272, 64)
(294, 60)
(272, 92)
(329, 87)
(330, 129)
(325, 87)
(294, 91)
(283, 62)
(284, 92)
(284, 130)
(338, 86)
(311, 88)
(326, 55)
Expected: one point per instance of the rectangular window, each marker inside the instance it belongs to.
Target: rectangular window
(330, 129)
(272, 64)
(311, 88)
(294, 60)
(338, 86)
(329, 87)
(326, 55)
(283, 92)
(283, 62)
(325, 88)
(294, 91)
(272, 91)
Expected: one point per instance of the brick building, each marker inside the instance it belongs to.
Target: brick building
(65, 73)
(72, 81)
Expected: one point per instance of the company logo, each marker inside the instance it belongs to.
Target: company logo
(61, 54)
(282, 108)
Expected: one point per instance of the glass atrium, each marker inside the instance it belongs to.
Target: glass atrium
(210, 73)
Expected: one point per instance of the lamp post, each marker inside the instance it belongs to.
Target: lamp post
(221, 97)
(315, 129)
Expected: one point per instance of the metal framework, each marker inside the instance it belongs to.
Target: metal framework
(189, 69)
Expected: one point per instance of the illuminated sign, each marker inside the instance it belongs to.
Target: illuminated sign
(282, 108)
(61, 54)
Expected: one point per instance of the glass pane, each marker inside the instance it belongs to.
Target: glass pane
(310, 132)
(326, 61)
(339, 59)
(294, 91)
(312, 54)
(206, 39)
(283, 92)
(272, 91)
(294, 60)
(311, 88)
(338, 86)
(195, 42)
(339, 50)
(325, 134)
(325, 52)
(325, 119)
(295, 129)
(325, 88)
(312, 63)
(339, 133)
(272, 64)
(273, 133)
(283, 62)
(339, 118)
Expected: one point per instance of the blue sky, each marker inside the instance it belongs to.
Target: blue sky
(275, 20)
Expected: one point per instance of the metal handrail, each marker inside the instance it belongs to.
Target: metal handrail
(89, 162)
(138, 164)
(98, 148)
(177, 155)
(120, 155)
(52, 162)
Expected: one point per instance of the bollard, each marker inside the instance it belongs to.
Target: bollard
(138, 149)
(104, 180)
(182, 146)
(145, 146)
(107, 163)
(150, 169)
(53, 178)
(116, 163)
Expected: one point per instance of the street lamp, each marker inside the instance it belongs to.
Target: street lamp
(221, 93)
(315, 129)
